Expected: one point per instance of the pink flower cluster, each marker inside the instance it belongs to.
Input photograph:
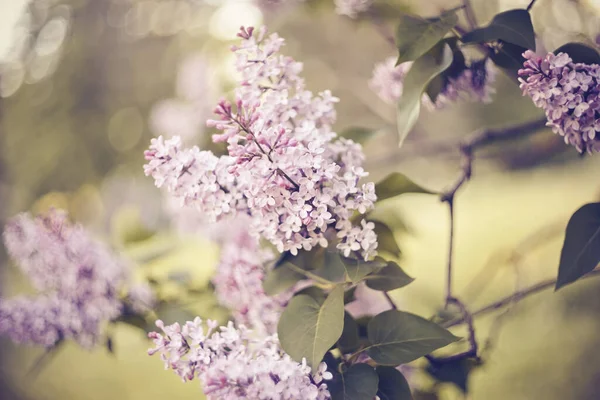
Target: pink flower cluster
(473, 84)
(239, 284)
(569, 94)
(79, 279)
(285, 167)
(231, 364)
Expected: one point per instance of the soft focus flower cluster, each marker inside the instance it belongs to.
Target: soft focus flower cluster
(352, 8)
(473, 84)
(285, 166)
(232, 364)
(569, 94)
(238, 284)
(78, 278)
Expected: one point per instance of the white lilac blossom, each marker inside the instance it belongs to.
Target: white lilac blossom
(285, 166)
(238, 284)
(352, 8)
(233, 364)
(78, 279)
(473, 84)
(568, 93)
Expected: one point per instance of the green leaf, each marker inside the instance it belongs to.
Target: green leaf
(280, 279)
(349, 341)
(388, 278)
(437, 84)
(513, 26)
(509, 56)
(328, 264)
(396, 184)
(385, 239)
(359, 382)
(580, 53)
(423, 70)
(358, 134)
(357, 269)
(316, 293)
(415, 36)
(581, 249)
(456, 372)
(349, 295)
(308, 329)
(399, 337)
(392, 385)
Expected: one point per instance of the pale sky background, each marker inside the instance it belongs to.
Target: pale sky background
(10, 10)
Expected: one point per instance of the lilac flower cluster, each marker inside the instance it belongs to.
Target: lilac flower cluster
(231, 364)
(78, 277)
(569, 94)
(239, 284)
(473, 84)
(352, 8)
(285, 167)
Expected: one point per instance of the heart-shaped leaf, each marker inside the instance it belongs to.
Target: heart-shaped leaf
(513, 26)
(398, 337)
(388, 278)
(308, 329)
(415, 36)
(396, 184)
(581, 249)
(359, 382)
(392, 385)
(423, 70)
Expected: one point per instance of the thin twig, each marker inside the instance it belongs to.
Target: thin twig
(450, 202)
(39, 364)
(531, 3)
(473, 346)
(515, 297)
(389, 299)
(469, 14)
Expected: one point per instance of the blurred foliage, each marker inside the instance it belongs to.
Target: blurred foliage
(75, 139)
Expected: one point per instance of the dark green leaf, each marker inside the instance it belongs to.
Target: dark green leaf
(308, 329)
(580, 53)
(359, 382)
(328, 264)
(388, 278)
(349, 295)
(280, 279)
(392, 385)
(415, 36)
(358, 134)
(399, 337)
(396, 184)
(513, 26)
(349, 341)
(385, 239)
(421, 395)
(363, 323)
(357, 269)
(508, 56)
(456, 372)
(581, 249)
(316, 293)
(423, 70)
(437, 84)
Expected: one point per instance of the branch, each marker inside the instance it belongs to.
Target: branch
(469, 14)
(531, 3)
(467, 150)
(389, 299)
(515, 297)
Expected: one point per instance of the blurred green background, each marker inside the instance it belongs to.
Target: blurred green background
(81, 82)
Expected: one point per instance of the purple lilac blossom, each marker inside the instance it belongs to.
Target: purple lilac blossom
(233, 364)
(78, 278)
(239, 284)
(285, 166)
(568, 93)
(474, 84)
(352, 8)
